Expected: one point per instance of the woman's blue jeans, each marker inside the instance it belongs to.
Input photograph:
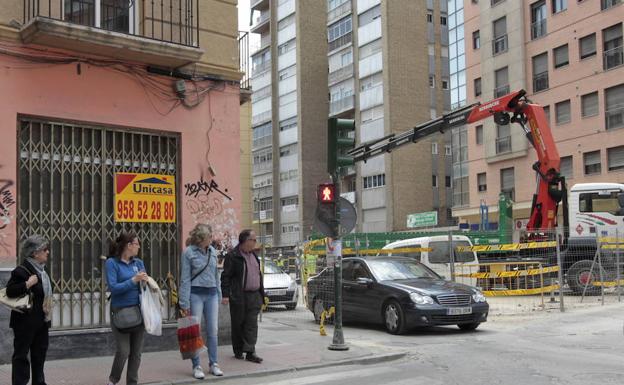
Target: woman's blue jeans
(205, 306)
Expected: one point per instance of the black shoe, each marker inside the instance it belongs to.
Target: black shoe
(252, 357)
(238, 356)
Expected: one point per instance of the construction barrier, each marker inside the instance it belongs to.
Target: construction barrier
(508, 246)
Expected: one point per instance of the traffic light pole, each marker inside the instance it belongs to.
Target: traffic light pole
(338, 340)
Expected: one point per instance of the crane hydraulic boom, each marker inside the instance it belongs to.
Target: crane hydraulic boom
(511, 108)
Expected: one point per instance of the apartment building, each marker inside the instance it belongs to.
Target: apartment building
(381, 69)
(569, 56)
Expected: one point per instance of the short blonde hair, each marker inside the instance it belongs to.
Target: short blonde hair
(200, 233)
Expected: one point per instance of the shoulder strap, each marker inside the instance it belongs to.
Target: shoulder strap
(203, 268)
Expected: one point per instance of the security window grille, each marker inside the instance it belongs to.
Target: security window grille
(587, 46)
(374, 181)
(477, 87)
(540, 72)
(508, 182)
(429, 17)
(562, 112)
(589, 105)
(613, 50)
(66, 193)
(499, 43)
(503, 139)
(476, 40)
(538, 19)
(560, 55)
(432, 81)
(501, 78)
(559, 5)
(615, 158)
(482, 182)
(614, 107)
(479, 134)
(591, 161)
(566, 168)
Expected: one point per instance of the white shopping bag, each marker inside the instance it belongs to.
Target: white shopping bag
(151, 309)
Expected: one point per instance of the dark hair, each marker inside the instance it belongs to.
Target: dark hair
(119, 245)
(244, 236)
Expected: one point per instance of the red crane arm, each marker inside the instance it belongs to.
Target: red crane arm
(551, 189)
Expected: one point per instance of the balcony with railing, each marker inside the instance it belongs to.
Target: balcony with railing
(261, 168)
(261, 67)
(265, 41)
(261, 23)
(243, 58)
(261, 118)
(615, 118)
(499, 45)
(341, 105)
(259, 4)
(340, 42)
(263, 215)
(501, 91)
(340, 74)
(613, 58)
(606, 4)
(503, 145)
(538, 29)
(160, 32)
(540, 81)
(338, 12)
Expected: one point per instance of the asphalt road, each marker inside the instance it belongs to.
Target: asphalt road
(583, 346)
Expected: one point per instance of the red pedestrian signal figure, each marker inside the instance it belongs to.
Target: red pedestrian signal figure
(326, 193)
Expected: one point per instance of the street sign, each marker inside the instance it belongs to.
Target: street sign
(324, 216)
(333, 249)
(263, 215)
(145, 198)
(426, 219)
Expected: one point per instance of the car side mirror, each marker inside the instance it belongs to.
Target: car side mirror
(364, 281)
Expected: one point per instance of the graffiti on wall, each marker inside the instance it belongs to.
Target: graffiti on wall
(7, 201)
(208, 203)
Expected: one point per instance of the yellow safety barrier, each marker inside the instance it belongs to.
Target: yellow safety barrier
(349, 251)
(608, 283)
(516, 292)
(324, 315)
(508, 247)
(613, 246)
(510, 274)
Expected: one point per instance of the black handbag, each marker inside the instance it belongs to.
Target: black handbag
(127, 319)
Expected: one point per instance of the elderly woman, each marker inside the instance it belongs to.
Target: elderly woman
(200, 291)
(31, 329)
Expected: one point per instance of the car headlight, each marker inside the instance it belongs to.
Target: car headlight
(420, 299)
(478, 297)
(293, 285)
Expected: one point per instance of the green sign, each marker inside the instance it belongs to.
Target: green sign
(427, 219)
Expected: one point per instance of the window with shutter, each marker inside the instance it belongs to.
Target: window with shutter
(613, 50)
(615, 158)
(499, 44)
(508, 182)
(587, 46)
(477, 87)
(561, 56)
(591, 161)
(501, 78)
(589, 104)
(562, 112)
(482, 182)
(566, 168)
(614, 107)
(479, 131)
(540, 72)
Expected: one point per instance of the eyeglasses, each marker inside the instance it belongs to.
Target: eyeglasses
(252, 239)
(134, 243)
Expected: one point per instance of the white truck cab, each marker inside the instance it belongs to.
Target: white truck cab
(438, 259)
(596, 209)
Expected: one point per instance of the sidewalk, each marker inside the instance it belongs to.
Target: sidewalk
(282, 346)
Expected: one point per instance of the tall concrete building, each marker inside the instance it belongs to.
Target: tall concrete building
(379, 67)
(569, 56)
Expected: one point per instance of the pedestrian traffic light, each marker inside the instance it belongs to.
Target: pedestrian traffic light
(327, 193)
(339, 142)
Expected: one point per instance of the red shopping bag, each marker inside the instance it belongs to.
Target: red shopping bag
(189, 337)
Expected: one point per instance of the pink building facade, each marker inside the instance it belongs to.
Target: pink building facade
(568, 55)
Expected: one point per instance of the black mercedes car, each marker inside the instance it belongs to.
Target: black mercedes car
(401, 293)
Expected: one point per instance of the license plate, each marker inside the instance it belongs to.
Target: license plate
(277, 292)
(459, 310)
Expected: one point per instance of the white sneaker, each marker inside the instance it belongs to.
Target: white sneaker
(215, 370)
(198, 373)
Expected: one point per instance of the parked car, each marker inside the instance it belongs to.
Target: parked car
(280, 287)
(398, 292)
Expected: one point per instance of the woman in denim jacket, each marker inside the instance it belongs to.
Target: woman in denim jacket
(200, 291)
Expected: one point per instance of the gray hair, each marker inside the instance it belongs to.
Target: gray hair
(33, 244)
(199, 234)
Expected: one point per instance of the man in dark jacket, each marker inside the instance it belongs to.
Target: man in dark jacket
(243, 289)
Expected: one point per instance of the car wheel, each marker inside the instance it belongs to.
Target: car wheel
(469, 327)
(394, 318)
(318, 309)
(291, 306)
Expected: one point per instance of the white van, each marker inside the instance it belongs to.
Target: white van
(438, 258)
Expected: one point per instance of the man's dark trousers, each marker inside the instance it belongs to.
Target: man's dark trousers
(244, 315)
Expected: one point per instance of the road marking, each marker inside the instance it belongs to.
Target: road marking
(323, 378)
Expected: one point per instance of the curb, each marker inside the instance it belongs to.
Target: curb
(367, 360)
